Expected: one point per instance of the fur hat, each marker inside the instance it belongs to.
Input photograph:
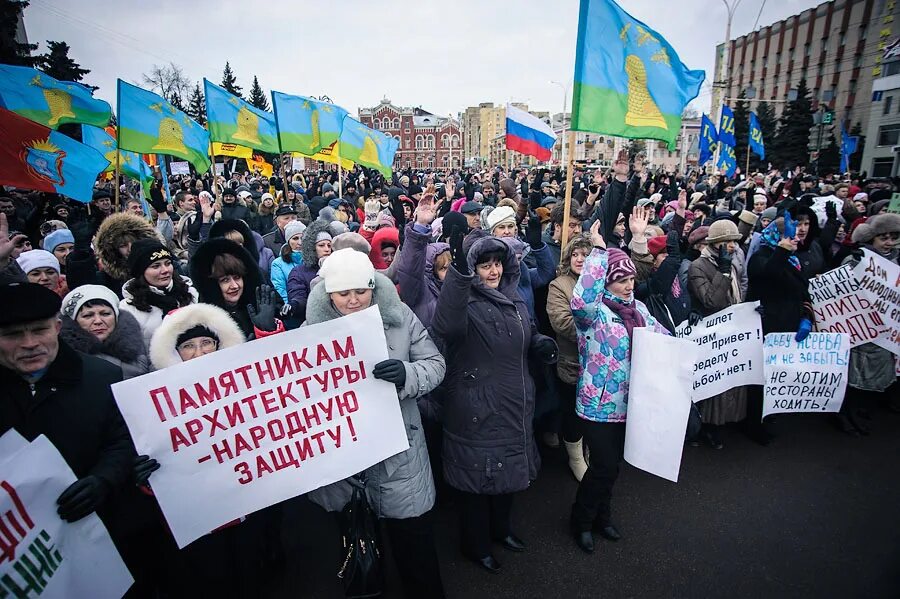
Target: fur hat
(83, 294)
(33, 259)
(885, 222)
(723, 230)
(163, 352)
(619, 264)
(115, 231)
(499, 215)
(354, 241)
(347, 269)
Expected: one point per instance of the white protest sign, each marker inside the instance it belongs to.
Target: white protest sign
(265, 421)
(879, 281)
(805, 376)
(658, 404)
(40, 554)
(840, 306)
(820, 203)
(298, 163)
(731, 355)
(179, 168)
(11, 442)
(220, 168)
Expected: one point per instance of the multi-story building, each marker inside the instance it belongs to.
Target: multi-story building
(482, 126)
(426, 140)
(835, 47)
(881, 155)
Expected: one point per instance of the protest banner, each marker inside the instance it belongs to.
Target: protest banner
(265, 421)
(879, 281)
(40, 554)
(805, 376)
(658, 405)
(820, 203)
(220, 168)
(298, 163)
(730, 343)
(840, 307)
(179, 168)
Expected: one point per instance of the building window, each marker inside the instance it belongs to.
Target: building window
(454, 141)
(376, 124)
(887, 105)
(396, 123)
(445, 141)
(420, 142)
(429, 142)
(889, 135)
(881, 167)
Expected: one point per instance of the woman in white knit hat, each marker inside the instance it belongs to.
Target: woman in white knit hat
(42, 267)
(400, 488)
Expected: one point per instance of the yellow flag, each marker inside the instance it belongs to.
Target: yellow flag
(330, 155)
(235, 150)
(257, 164)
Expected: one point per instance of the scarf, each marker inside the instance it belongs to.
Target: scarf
(162, 298)
(771, 236)
(735, 284)
(627, 312)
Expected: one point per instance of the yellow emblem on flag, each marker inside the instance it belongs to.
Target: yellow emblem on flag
(642, 110)
(171, 137)
(247, 126)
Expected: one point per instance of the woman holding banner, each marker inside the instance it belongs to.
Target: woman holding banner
(714, 284)
(400, 489)
(606, 313)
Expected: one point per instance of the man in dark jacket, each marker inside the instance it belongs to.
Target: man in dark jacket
(47, 388)
(286, 213)
(232, 209)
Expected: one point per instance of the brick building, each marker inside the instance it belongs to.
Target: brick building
(426, 140)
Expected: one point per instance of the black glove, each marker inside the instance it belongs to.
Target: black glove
(157, 200)
(724, 261)
(534, 200)
(533, 233)
(392, 371)
(831, 211)
(82, 232)
(694, 318)
(287, 311)
(673, 243)
(194, 226)
(82, 497)
(546, 351)
(760, 309)
(263, 314)
(143, 466)
(456, 250)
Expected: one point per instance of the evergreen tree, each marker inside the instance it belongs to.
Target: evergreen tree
(635, 147)
(257, 97)
(741, 130)
(768, 122)
(792, 139)
(830, 156)
(175, 100)
(229, 81)
(59, 65)
(856, 157)
(11, 51)
(196, 108)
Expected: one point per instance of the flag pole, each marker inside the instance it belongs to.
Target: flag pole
(284, 173)
(570, 175)
(337, 146)
(747, 169)
(116, 182)
(118, 128)
(212, 154)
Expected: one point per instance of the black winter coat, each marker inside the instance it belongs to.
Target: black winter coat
(781, 289)
(488, 393)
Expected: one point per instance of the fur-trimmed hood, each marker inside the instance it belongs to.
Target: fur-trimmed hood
(885, 222)
(509, 280)
(201, 267)
(117, 230)
(220, 227)
(125, 343)
(162, 347)
(320, 309)
(308, 242)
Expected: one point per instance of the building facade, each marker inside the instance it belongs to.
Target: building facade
(881, 155)
(425, 140)
(835, 47)
(484, 135)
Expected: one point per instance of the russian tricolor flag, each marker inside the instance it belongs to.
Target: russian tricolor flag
(527, 134)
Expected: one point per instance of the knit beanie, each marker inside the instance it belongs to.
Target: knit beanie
(619, 266)
(770, 213)
(58, 237)
(503, 214)
(354, 241)
(657, 245)
(194, 332)
(295, 227)
(145, 252)
(83, 294)
(34, 259)
(347, 269)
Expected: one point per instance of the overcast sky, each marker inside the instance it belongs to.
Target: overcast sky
(441, 55)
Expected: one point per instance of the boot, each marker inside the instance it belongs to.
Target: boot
(576, 459)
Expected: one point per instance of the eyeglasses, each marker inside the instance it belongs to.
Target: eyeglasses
(206, 344)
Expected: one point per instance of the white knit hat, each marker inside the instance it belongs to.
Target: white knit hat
(79, 296)
(347, 269)
(499, 215)
(295, 227)
(37, 259)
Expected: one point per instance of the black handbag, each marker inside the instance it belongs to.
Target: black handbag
(361, 571)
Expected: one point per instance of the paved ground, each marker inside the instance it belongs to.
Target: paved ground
(816, 514)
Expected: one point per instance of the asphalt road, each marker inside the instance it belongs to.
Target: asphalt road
(816, 514)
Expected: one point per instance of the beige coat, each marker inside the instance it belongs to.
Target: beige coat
(559, 310)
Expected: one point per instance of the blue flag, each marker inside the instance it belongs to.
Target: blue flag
(848, 147)
(756, 137)
(709, 137)
(726, 127)
(727, 160)
(42, 99)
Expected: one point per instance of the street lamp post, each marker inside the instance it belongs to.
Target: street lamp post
(565, 88)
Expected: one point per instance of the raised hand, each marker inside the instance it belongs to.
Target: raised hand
(620, 166)
(596, 237)
(638, 221)
(682, 202)
(426, 211)
(207, 210)
(456, 250)
(263, 314)
(371, 209)
(7, 245)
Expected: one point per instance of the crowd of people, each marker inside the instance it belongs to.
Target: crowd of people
(508, 323)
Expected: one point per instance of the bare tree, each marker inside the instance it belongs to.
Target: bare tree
(169, 80)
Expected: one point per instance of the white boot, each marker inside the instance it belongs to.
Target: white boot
(576, 459)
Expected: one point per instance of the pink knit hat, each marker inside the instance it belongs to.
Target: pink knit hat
(619, 266)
